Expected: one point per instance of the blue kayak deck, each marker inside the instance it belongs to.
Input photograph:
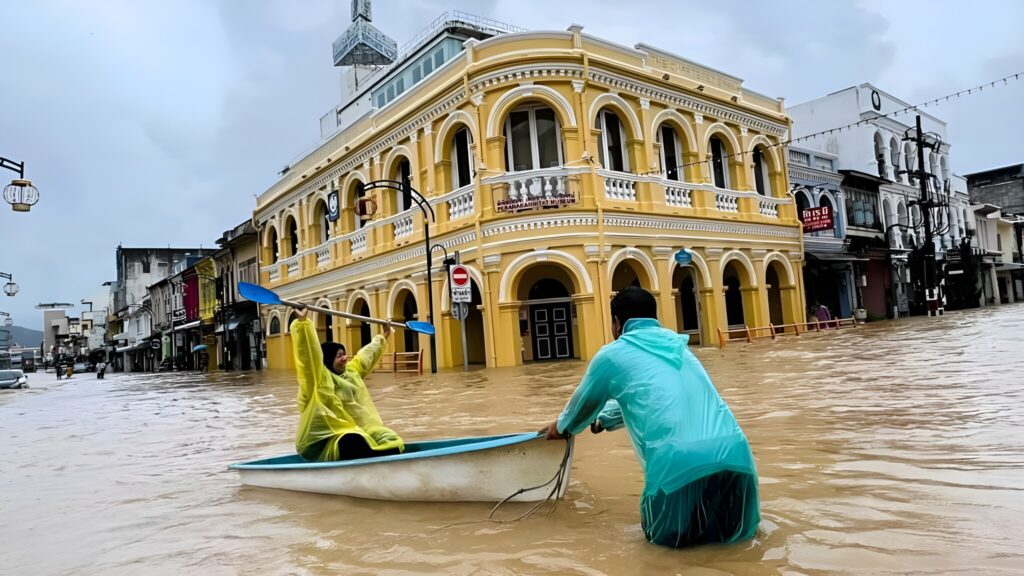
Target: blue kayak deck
(413, 451)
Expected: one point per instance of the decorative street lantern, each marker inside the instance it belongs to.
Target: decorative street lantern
(21, 195)
(10, 288)
(8, 321)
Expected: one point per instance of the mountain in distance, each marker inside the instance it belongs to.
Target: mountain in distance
(25, 337)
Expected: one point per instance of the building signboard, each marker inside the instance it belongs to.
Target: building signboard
(816, 219)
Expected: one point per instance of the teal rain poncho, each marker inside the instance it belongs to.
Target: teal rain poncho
(700, 479)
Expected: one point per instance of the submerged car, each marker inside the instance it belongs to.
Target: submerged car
(81, 367)
(13, 379)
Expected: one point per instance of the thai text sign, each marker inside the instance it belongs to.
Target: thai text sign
(816, 219)
(531, 203)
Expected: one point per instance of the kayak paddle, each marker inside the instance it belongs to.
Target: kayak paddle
(261, 295)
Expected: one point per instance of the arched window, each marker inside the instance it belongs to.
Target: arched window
(321, 217)
(275, 326)
(880, 155)
(671, 153)
(532, 139)
(894, 156)
(275, 250)
(403, 173)
(910, 160)
(802, 204)
(293, 237)
(462, 161)
(358, 193)
(719, 162)
(612, 141)
(762, 180)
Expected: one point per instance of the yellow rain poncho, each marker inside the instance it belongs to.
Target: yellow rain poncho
(332, 406)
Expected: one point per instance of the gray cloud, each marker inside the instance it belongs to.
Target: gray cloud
(154, 123)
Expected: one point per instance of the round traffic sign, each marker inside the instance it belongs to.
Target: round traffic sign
(460, 310)
(460, 276)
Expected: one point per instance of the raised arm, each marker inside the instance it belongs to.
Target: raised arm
(309, 361)
(368, 356)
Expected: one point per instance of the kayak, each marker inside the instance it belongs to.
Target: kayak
(475, 469)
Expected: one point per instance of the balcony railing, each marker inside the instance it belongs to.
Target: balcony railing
(619, 185)
(403, 226)
(274, 273)
(358, 242)
(770, 206)
(323, 257)
(293, 269)
(529, 189)
(727, 200)
(678, 194)
(462, 204)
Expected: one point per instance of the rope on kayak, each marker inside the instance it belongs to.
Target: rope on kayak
(558, 479)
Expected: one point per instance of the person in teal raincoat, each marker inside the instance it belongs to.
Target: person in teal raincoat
(700, 479)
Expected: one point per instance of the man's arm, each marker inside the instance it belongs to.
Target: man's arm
(587, 400)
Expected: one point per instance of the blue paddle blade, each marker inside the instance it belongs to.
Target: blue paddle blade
(421, 327)
(257, 294)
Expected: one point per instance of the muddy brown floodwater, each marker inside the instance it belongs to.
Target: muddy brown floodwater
(889, 449)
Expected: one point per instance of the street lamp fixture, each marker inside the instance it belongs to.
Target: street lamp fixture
(20, 193)
(10, 288)
(8, 321)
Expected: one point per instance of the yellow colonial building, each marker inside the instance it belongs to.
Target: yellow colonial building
(562, 168)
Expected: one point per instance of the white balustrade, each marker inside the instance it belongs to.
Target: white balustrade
(463, 204)
(619, 185)
(293, 269)
(769, 209)
(530, 189)
(678, 196)
(275, 274)
(403, 227)
(358, 242)
(727, 201)
(323, 257)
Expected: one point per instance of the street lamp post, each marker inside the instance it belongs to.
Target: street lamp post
(427, 210)
(20, 193)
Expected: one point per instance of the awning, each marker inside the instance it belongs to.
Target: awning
(1009, 266)
(188, 326)
(233, 324)
(121, 336)
(836, 257)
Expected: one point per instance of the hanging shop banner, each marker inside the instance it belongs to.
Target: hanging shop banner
(333, 206)
(816, 219)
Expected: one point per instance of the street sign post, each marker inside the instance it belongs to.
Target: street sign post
(462, 295)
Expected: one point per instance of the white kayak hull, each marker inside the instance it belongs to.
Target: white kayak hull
(480, 469)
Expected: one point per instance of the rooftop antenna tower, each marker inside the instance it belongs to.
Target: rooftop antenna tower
(362, 45)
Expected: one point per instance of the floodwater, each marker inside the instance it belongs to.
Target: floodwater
(888, 449)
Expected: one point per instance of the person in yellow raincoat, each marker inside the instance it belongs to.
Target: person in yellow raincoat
(338, 419)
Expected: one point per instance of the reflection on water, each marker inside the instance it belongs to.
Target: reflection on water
(889, 449)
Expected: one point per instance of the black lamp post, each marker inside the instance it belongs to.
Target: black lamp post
(20, 193)
(427, 210)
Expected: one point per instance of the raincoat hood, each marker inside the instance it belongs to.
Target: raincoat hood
(647, 334)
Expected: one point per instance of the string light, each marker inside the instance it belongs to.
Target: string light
(905, 110)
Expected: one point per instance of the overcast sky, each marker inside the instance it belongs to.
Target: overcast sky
(150, 123)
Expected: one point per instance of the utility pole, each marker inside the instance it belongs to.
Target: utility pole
(926, 204)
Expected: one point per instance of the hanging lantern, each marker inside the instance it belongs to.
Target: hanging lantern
(10, 288)
(21, 195)
(8, 321)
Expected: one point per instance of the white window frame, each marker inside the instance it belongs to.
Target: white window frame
(765, 173)
(725, 163)
(534, 144)
(602, 125)
(455, 157)
(678, 151)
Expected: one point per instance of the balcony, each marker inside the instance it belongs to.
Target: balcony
(403, 226)
(358, 241)
(529, 189)
(727, 201)
(323, 257)
(462, 203)
(678, 194)
(620, 185)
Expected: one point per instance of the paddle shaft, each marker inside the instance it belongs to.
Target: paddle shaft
(343, 314)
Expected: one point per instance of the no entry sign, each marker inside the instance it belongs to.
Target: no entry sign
(459, 281)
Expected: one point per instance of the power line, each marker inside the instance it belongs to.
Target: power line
(936, 101)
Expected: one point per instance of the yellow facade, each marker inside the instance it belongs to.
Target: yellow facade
(545, 113)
